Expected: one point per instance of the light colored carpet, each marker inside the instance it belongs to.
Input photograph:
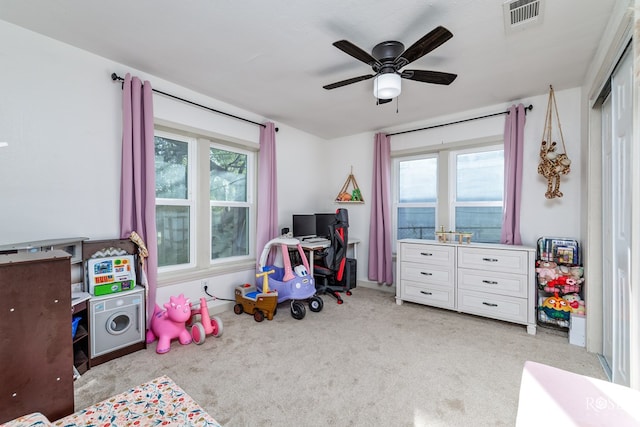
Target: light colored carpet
(365, 362)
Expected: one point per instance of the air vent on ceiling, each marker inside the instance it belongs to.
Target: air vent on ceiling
(521, 14)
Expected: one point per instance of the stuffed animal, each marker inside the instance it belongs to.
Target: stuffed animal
(170, 323)
(556, 308)
(562, 284)
(575, 302)
(552, 165)
(546, 271)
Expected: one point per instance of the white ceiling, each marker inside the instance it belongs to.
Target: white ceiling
(273, 57)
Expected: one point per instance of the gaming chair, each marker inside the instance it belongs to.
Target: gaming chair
(333, 272)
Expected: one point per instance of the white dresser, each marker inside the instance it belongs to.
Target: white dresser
(490, 280)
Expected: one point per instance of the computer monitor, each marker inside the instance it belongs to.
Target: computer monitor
(304, 225)
(323, 220)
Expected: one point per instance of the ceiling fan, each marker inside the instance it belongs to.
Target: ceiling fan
(388, 58)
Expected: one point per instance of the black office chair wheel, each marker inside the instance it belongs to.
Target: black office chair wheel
(258, 315)
(316, 304)
(297, 310)
(238, 309)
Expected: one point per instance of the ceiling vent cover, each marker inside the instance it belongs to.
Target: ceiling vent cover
(520, 14)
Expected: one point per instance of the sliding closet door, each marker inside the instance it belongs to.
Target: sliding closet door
(619, 219)
(607, 237)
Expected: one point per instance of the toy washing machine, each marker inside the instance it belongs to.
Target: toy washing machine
(117, 321)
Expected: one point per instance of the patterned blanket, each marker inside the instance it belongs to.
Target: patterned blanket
(158, 402)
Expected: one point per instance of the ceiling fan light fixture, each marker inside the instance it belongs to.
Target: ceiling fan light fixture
(387, 86)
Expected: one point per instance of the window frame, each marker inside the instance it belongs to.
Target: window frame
(249, 203)
(446, 186)
(452, 179)
(396, 204)
(190, 201)
(201, 265)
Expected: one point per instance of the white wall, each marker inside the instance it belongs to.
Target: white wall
(539, 216)
(61, 115)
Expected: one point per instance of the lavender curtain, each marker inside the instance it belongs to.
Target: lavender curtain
(380, 261)
(138, 182)
(513, 147)
(267, 223)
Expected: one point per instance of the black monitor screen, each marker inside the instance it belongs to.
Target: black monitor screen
(304, 225)
(323, 220)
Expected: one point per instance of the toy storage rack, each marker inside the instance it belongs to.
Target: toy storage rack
(565, 253)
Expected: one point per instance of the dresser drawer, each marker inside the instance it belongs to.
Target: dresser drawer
(425, 273)
(508, 261)
(428, 254)
(490, 305)
(514, 285)
(439, 296)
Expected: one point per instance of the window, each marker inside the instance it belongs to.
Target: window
(460, 190)
(478, 179)
(417, 197)
(196, 227)
(230, 200)
(175, 206)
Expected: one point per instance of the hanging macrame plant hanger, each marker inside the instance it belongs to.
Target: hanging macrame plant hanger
(552, 163)
(351, 196)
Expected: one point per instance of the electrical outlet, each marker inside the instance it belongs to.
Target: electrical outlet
(204, 285)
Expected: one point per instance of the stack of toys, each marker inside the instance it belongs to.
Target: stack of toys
(560, 282)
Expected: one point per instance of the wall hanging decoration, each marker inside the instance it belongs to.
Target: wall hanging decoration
(553, 164)
(350, 192)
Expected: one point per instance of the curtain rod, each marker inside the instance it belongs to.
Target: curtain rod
(115, 77)
(530, 107)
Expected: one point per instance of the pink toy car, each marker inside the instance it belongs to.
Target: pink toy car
(206, 326)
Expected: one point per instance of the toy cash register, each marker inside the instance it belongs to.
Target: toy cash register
(111, 274)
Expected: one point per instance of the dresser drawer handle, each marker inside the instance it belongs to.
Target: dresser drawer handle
(426, 254)
(490, 304)
(489, 282)
(426, 293)
(490, 259)
(424, 273)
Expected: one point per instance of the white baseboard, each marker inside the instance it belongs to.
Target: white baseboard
(375, 285)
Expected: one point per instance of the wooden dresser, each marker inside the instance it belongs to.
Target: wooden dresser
(489, 280)
(36, 351)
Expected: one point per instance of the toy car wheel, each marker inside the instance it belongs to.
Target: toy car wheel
(197, 333)
(216, 323)
(297, 310)
(237, 309)
(258, 315)
(316, 304)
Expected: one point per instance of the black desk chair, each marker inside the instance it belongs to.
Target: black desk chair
(333, 272)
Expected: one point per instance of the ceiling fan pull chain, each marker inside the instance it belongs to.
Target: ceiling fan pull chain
(397, 102)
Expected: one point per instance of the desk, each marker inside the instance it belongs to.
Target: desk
(312, 247)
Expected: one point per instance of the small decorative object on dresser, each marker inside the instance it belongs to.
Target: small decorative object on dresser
(490, 280)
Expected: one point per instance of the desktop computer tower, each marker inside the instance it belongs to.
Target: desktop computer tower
(350, 273)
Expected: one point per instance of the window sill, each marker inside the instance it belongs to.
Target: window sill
(182, 276)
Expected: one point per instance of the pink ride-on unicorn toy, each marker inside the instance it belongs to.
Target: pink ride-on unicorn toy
(170, 323)
(206, 326)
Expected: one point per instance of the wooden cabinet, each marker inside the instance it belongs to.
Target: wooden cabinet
(36, 345)
(494, 281)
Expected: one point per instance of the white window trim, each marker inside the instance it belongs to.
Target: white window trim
(190, 201)
(453, 203)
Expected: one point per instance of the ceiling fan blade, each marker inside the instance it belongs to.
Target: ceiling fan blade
(426, 44)
(383, 101)
(353, 50)
(435, 77)
(348, 81)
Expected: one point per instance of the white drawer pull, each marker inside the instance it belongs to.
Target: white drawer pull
(490, 304)
(426, 293)
(426, 254)
(424, 273)
(490, 259)
(489, 282)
